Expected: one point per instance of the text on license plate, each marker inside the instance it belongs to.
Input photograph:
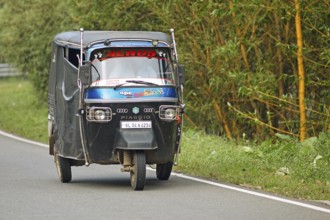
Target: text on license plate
(135, 124)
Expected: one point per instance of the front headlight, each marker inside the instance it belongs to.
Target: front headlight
(99, 114)
(168, 112)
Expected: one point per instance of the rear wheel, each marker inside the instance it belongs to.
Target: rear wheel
(63, 168)
(138, 171)
(163, 171)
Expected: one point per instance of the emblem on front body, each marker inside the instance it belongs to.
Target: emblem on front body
(135, 110)
(122, 110)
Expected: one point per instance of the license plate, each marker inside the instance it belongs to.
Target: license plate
(135, 124)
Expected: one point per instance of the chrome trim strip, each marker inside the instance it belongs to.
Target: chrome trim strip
(77, 46)
(131, 100)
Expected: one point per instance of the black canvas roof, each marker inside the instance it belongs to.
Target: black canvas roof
(73, 37)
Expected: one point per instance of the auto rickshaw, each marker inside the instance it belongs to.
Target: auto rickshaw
(115, 97)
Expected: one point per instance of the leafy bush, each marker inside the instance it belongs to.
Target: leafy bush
(240, 55)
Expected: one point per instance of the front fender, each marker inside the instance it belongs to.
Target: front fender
(135, 139)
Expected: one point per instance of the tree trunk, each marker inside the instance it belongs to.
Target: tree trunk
(301, 74)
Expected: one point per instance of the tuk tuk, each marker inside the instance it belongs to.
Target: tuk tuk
(115, 97)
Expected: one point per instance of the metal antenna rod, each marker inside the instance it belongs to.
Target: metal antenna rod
(81, 88)
(81, 46)
(174, 45)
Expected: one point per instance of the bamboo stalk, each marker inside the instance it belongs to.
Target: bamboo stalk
(221, 118)
(301, 74)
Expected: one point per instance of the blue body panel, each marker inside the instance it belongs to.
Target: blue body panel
(130, 93)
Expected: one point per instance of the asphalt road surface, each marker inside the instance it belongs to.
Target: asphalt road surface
(30, 189)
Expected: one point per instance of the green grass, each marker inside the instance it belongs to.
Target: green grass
(21, 112)
(257, 166)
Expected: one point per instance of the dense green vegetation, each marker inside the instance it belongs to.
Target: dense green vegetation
(240, 55)
(280, 165)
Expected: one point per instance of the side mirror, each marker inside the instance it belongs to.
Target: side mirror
(182, 74)
(85, 74)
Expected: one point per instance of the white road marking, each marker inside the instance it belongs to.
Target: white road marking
(288, 201)
(22, 139)
(305, 205)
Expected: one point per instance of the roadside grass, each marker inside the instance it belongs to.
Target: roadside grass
(281, 165)
(21, 112)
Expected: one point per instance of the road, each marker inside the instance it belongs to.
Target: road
(30, 189)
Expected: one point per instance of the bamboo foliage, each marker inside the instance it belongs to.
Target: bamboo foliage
(243, 75)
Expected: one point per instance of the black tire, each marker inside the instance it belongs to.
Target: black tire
(138, 172)
(63, 168)
(163, 171)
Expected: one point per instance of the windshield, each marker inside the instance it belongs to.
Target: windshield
(114, 66)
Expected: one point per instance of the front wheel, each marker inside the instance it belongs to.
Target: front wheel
(138, 171)
(63, 168)
(163, 171)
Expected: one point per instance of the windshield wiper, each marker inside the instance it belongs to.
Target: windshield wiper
(136, 82)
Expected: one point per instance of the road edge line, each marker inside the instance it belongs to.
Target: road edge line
(23, 139)
(259, 194)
